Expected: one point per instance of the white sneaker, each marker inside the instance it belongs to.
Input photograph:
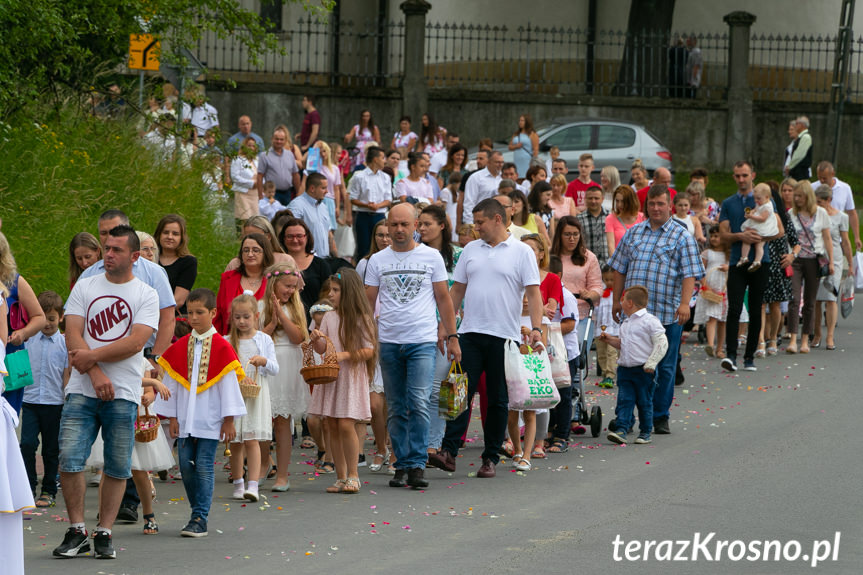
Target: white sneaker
(239, 491)
(95, 479)
(251, 494)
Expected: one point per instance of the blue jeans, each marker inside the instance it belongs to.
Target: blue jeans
(197, 458)
(437, 426)
(666, 371)
(82, 418)
(634, 388)
(41, 420)
(408, 371)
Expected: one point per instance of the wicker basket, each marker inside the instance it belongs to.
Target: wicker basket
(708, 293)
(146, 427)
(248, 387)
(326, 372)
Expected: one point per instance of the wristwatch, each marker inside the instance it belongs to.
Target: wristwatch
(539, 329)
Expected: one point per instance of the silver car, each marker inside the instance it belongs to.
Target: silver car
(612, 142)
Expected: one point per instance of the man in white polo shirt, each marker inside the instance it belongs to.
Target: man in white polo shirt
(371, 193)
(492, 276)
(843, 198)
(481, 185)
(411, 280)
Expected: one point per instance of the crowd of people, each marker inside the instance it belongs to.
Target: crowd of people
(399, 264)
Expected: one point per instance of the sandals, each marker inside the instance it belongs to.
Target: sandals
(337, 487)
(352, 485)
(538, 453)
(508, 448)
(374, 467)
(272, 472)
(151, 527)
(558, 446)
(771, 347)
(325, 466)
(308, 443)
(520, 463)
(760, 351)
(45, 500)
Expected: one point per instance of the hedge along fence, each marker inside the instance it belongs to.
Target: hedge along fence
(57, 179)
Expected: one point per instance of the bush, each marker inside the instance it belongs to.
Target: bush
(57, 178)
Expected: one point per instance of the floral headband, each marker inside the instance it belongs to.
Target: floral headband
(285, 273)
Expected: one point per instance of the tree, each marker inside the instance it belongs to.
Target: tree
(644, 69)
(53, 48)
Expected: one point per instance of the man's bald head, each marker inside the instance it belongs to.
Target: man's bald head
(401, 223)
(662, 176)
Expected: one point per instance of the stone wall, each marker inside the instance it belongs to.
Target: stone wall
(694, 130)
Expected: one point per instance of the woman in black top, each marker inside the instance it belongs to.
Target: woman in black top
(296, 238)
(174, 256)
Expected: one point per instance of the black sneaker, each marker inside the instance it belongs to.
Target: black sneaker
(197, 527)
(127, 513)
(103, 546)
(660, 427)
(74, 543)
(362, 460)
(728, 364)
(749, 365)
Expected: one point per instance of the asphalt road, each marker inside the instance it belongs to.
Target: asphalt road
(753, 457)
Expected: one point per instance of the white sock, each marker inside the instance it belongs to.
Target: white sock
(103, 529)
(80, 527)
(238, 481)
(253, 486)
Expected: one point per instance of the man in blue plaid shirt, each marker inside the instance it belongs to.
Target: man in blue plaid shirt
(662, 255)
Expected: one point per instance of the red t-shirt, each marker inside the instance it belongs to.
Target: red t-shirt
(551, 288)
(642, 197)
(576, 190)
(310, 119)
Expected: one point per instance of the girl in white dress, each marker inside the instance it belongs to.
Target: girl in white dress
(258, 357)
(15, 494)
(711, 314)
(151, 455)
(682, 215)
(284, 319)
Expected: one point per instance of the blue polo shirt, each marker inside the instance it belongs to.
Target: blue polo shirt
(733, 210)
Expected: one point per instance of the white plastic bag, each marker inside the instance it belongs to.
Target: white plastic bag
(529, 382)
(858, 273)
(558, 356)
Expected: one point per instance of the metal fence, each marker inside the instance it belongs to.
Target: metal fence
(800, 68)
(315, 53)
(531, 59)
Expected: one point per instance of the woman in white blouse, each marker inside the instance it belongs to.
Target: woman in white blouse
(244, 170)
(812, 225)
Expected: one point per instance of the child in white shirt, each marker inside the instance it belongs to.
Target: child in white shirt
(642, 345)
(606, 355)
(763, 220)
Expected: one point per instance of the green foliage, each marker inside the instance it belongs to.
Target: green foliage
(52, 47)
(58, 178)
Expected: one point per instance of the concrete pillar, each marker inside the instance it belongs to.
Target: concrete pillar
(738, 137)
(414, 84)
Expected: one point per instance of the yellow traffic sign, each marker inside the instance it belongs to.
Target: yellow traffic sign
(143, 52)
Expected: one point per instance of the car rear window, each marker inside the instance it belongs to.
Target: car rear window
(610, 137)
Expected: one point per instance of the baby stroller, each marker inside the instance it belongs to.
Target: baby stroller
(580, 415)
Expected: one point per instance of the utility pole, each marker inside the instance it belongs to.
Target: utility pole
(839, 86)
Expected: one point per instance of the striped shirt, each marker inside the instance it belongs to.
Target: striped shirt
(659, 260)
(594, 234)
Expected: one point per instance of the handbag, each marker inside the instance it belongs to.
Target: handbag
(823, 260)
(846, 296)
(20, 374)
(18, 316)
(452, 401)
(529, 382)
(858, 270)
(558, 356)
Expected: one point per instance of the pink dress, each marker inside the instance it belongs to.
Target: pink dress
(561, 208)
(348, 396)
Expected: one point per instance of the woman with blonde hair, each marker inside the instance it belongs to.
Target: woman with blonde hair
(25, 317)
(812, 225)
(609, 179)
(562, 204)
